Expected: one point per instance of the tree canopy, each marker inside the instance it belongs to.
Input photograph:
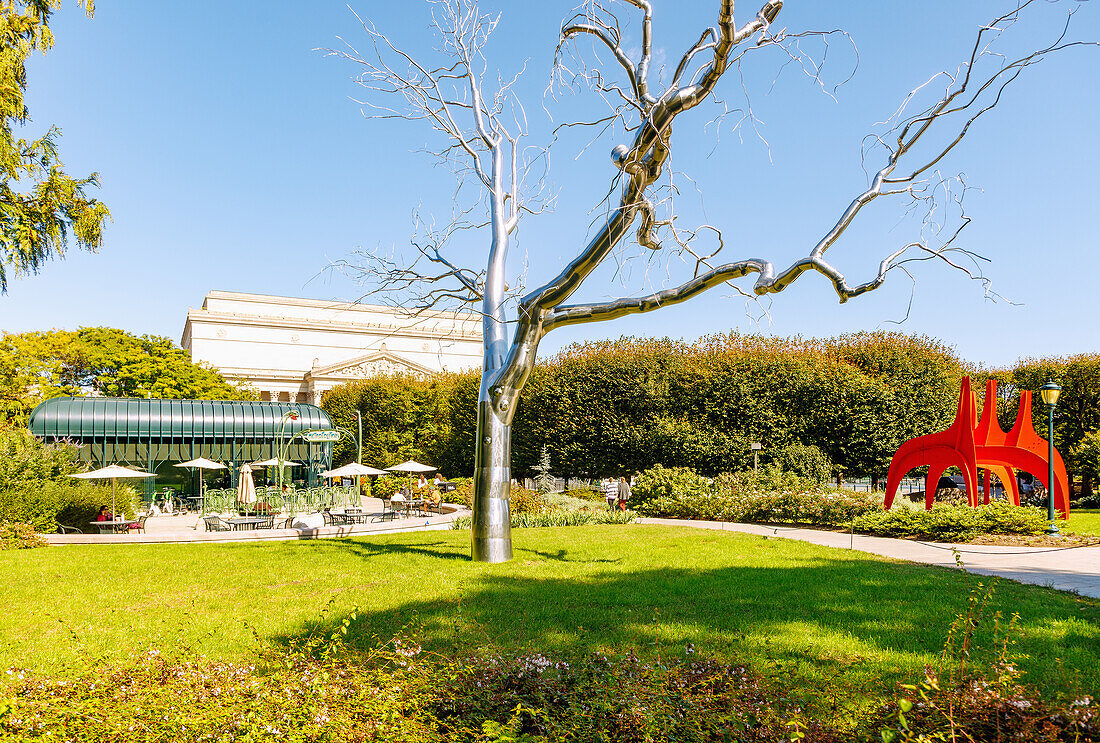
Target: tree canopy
(39, 365)
(41, 206)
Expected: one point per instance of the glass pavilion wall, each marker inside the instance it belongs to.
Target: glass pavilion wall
(155, 435)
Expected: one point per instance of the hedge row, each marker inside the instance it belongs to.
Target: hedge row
(623, 406)
(777, 497)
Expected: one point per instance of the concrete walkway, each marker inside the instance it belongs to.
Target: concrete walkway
(190, 529)
(1076, 569)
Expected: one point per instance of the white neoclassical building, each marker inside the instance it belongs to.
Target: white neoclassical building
(293, 350)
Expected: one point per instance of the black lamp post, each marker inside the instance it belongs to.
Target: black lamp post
(1049, 392)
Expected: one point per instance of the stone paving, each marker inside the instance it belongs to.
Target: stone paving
(164, 529)
(1076, 570)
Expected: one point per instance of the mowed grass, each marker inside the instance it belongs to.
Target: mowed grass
(823, 622)
(1084, 521)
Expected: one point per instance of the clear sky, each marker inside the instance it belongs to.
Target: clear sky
(233, 157)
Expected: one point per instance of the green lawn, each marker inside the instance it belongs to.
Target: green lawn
(1084, 521)
(825, 621)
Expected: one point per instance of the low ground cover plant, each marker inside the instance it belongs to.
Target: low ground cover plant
(319, 689)
(559, 517)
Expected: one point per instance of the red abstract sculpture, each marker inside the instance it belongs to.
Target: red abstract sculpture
(969, 445)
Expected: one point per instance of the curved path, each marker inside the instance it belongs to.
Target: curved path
(1074, 569)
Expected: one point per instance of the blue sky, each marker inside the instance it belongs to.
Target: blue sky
(232, 157)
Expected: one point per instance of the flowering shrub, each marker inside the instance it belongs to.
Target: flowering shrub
(770, 495)
(16, 536)
(953, 523)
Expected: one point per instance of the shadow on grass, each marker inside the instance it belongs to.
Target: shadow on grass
(828, 627)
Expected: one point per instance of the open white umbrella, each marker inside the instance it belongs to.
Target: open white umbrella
(202, 464)
(411, 466)
(352, 470)
(112, 472)
(246, 489)
(276, 463)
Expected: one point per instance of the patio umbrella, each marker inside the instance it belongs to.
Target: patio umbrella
(246, 489)
(276, 463)
(112, 472)
(410, 466)
(202, 464)
(352, 470)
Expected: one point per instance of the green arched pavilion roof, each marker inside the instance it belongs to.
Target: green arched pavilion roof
(82, 418)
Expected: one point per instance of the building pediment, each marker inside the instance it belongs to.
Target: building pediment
(372, 365)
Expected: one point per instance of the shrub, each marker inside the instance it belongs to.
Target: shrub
(16, 536)
(558, 518)
(806, 461)
(24, 460)
(71, 503)
(952, 523)
(660, 488)
(521, 500)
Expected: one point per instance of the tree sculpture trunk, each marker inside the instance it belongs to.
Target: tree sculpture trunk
(492, 521)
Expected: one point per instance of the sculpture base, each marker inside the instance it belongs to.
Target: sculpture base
(492, 549)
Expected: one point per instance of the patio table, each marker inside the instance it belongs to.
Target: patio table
(111, 527)
(247, 522)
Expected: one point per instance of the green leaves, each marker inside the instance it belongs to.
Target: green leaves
(103, 361)
(41, 206)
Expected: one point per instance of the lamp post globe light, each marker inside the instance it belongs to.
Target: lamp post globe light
(1049, 392)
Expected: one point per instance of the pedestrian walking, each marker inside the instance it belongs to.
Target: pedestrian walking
(610, 492)
(623, 493)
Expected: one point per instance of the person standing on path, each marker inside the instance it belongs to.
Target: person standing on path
(610, 492)
(623, 493)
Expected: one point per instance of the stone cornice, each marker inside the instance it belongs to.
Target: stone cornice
(323, 304)
(195, 317)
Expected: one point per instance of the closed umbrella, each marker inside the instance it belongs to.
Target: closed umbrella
(246, 489)
(112, 472)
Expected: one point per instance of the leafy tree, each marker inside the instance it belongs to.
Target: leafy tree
(36, 366)
(40, 204)
(1086, 455)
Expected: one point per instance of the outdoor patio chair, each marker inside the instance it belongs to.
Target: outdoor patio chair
(138, 525)
(213, 523)
(388, 511)
(288, 523)
(62, 529)
(269, 524)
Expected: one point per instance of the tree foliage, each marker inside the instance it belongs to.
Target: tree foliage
(38, 365)
(40, 204)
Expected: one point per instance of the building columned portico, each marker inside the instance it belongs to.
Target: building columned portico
(293, 350)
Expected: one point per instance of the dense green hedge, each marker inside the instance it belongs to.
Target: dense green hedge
(48, 504)
(619, 407)
(35, 487)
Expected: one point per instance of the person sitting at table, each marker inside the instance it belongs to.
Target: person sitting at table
(434, 497)
(422, 482)
(104, 514)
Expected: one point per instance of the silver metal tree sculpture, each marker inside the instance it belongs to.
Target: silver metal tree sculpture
(482, 126)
